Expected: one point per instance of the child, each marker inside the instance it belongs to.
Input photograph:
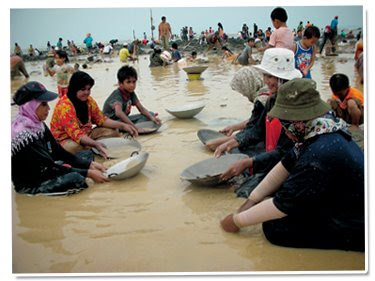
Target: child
(245, 57)
(193, 56)
(31, 51)
(124, 53)
(229, 55)
(63, 72)
(305, 50)
(282, 37)
(346, 101)
(118, 104)
(176, 55)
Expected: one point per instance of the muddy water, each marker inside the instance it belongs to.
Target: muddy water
(154, 222)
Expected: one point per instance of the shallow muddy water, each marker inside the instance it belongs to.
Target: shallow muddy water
(154, 222)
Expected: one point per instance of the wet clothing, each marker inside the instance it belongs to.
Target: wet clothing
(176, 55)
(323, 196)
(252, 141)
(65, 123)
(155, 60)
(35, 168)
(122, 98)
(243, 58)
(341, 107)
(303, 58)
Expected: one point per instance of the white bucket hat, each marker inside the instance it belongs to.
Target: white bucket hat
(279, 62)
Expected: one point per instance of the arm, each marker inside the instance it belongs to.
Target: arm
(232, 128)
(264, 211)
(226, 147)
(354, 112)
(121, 115)
(112, 124)
(294, 48)
(267, 160)
(146, 113)
(312, 60)
(60, 153)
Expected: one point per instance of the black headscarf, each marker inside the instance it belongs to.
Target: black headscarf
(78, 81)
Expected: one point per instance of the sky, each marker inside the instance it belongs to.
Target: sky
(38, 25)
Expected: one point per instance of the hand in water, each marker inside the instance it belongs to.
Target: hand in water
(228, 224)
(97, 166)
(102, 150)
(156, 119)
(132, 130)
(97, 176)
(221, 149)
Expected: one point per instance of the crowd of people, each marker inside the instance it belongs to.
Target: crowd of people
(304, 175)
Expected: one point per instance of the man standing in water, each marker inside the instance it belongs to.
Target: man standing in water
(165, 32)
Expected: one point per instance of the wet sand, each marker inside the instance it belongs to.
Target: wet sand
(154, 222)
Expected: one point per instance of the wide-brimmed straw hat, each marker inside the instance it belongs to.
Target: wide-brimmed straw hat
(279, 62)
(298, 100)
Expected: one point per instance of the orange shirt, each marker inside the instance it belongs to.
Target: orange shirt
(66, 125)
(352, 94)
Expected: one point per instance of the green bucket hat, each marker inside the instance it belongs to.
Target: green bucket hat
(298, 100)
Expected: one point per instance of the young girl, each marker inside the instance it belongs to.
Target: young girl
(63, 72)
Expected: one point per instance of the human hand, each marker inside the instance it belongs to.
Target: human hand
(97, 166)
(156, 119)
(246, 205)
(97, 176)
(305, 72)
(228, 224)
(221, 149)
(132, 130)
(102, 149)
(236, 168)
(228, 131)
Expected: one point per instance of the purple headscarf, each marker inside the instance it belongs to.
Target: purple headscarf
(26, 126)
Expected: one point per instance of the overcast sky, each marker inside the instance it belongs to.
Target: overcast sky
(37, 26)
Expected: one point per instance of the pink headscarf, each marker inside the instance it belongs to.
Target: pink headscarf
(26, 125)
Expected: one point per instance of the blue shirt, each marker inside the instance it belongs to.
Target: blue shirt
(176, 56)
(334, 24)
(88, 41)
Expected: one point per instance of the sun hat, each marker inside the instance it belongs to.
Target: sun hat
(279, 62)
(298, 100)
(33, 90)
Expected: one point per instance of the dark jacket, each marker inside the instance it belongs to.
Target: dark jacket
(34, 162)
(251, 139)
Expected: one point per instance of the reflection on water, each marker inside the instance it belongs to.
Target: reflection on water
(154, 222)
